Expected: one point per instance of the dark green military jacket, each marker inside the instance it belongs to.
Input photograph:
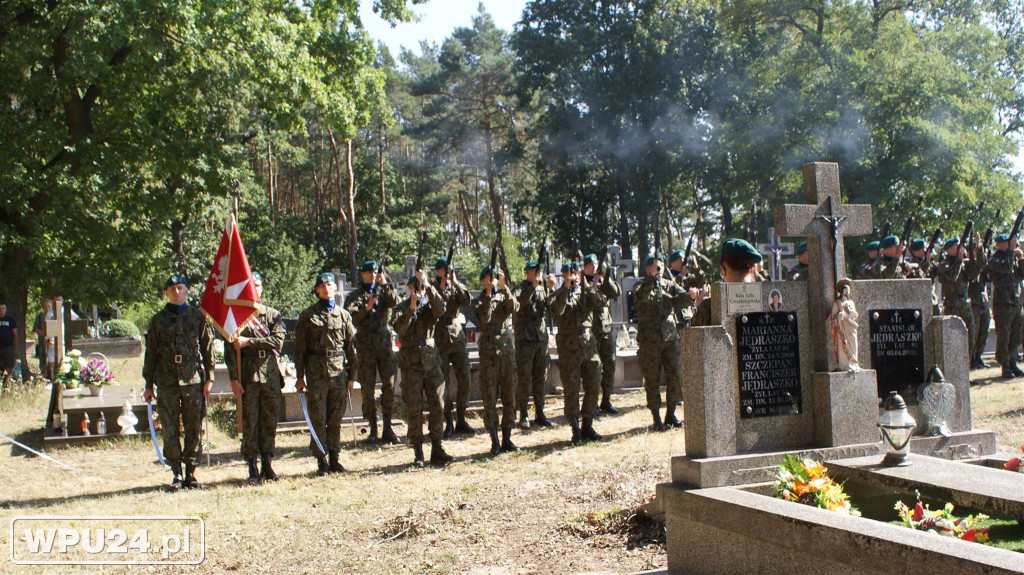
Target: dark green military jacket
(1006, 273)
(977, 289)
(866, 271)
(529, 317)
(455, 296)
(493, 317)
(573, 312)
(324, 344)
(887, 268)
(923, 269)
(371, 325)
(415, 328)
(602, 319)
(259, 361)
(684, 311)
(955, 276)
(798, 273)
(179, 348)
(655, 300)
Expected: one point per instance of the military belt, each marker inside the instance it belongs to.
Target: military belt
(186, 358)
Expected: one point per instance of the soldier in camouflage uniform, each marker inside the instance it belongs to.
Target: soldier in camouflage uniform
(369, 305)
(451, 346)
(493, 311)
(689, 277)
(572, 307)
(258, 385)
(922, 266)
(415, 320)
(532, 343)
(655, 300)
(955, 273)
(179, 365)
(864, 271)
(736, 262)
(799, 271)
(598, 276)
(1006, 270)
(890, 266)
(977, 290)
(325, 350)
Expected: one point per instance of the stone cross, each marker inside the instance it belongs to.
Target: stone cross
(775, 248)
(825, 221)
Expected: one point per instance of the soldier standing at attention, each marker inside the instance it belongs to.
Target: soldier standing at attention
(451, 345)
(598, 277)
(179, 366)
(532, 343)
(369, 305)
(955, 273)
(692, 282)
(326, 352)
(259, 385)
(980, 307)
(1007, 271)
(414, 320)
(799, 271)
(736, 261)
(493, 312)
(572, 307)
(889, 266)
(864, 271)
(655, 300)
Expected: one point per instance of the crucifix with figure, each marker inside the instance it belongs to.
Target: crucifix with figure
(825, 221)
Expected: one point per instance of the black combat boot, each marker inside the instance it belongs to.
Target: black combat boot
(177, 481)
(321, 466)
(1016, 370)
(982, 364)
(524, 418)
(588, 433)
(438, 456)
(670, 417)
(254, 472)
(541, 420)
(417, 453)
(190, 481)
(388, 435)
(266, 471)
(506, 440)
(461, 426)
(333, 465)
(449, 422)
(607, 407)
(371, 438)
(574, 422)
(495, 444)
(658, 425)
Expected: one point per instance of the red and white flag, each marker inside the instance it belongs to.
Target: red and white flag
(230, 301)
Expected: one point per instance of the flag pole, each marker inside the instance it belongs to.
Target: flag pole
(238, 353)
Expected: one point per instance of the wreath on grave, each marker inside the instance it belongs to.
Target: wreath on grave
(807, 481)
(1015, 463)
(942, 521)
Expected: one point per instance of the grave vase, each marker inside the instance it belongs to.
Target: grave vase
(95, 390)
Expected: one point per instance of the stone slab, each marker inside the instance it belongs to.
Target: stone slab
(949, 334)
(963, 484)
(846, 406)
(110, 346)
(727, 530)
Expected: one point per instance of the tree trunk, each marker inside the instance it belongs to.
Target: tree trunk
(380, 168)
(468, 219)
(350, 210)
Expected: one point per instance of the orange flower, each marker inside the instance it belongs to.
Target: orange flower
(813, 468)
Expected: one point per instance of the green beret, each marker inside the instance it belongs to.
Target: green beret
(323, 278)
(741, 249)
(917, 244)
(414, 282)
(953, 241)
(873, 246)
(485, 272)
(650, 259)
(889, 241)
(570, 266)
(1004, 237)
(368, 266)
(676, 255)
(441, 263)
(589, 259)
(801, 248)
(256, 277)
(175, 279)
(532, 265)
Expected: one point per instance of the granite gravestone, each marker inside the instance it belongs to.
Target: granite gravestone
(768, 361)
(897, 350)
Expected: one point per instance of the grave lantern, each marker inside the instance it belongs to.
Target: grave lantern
(896, 426)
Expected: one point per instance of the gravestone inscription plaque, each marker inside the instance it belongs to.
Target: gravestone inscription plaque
(897, 350)
(768, 358)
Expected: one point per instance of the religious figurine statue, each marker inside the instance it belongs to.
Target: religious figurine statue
(127, 419)
(843, 323)
(937, 398)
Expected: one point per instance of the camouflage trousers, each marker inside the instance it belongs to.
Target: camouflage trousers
(181, 408)
(659, 359)
(532, 371)
(1008, 320)
(260, 406)
(982, 322)
(579, 366)
(455, 358)
(498, 377)
(326, 400)
(606, 351)
(374, 360)
(422, 382)
(962, 310)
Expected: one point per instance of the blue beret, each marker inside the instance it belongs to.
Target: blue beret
(873, 246)
(801, 248)
(368, 266)
(441, 263)
(175, 279)
(953, 241)
(256, 277)
(741, 249)
(486, 271)
(889, 241)
(917, 244)
(531, 265)
(589, 259)
(1004, 237)
(323, 278)
(676, 255)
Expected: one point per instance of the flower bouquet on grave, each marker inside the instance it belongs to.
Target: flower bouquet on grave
(95, 374)
(942, 521)
(70, 367)
(807, 481)
(1015, 463)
